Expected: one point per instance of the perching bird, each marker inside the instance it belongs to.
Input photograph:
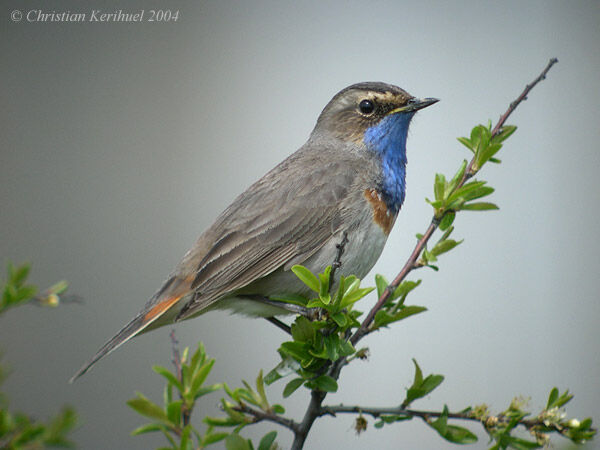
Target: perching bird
(348, 179)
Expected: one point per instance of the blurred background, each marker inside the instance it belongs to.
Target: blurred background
(121, 142)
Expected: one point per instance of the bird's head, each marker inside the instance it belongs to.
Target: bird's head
(374, 117)
(362, 112)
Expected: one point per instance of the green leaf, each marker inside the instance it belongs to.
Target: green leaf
(351, 284)
(58, 288)
(324, 285)
(466, 142)
(469, 191)
(323, 383)
(145, 407)
(26, 293)
(236, 442)
(355, 296)
(291, 387)
(198, 358)
(452, 433)
(384, 318)
(267, 441)
(346, 348)
(404, 289)
(297, 350)
(171, 378)
(174, 412)
(556, 400)
(199, 378)
(439, 186)
(478, 206)
(518, 443)
(447, 220)
(339, 319)
(435, 204)
(303, 330)
(316, 303)
(184, 442)
(456, 179)
(552, 397)
(212, 438)
(307, 277)
(148, 428)
(260, 388)
(421, 386)
(505, 132)
(207, 390)
(286, 367)
(221, 421)
(444, 246)
(381, 283)
(19, 274)
(278, 409)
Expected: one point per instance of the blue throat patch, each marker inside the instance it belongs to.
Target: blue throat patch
(388, 140)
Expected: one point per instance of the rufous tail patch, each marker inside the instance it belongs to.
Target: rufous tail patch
(161, 307)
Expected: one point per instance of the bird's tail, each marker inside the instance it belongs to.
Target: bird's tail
(162, 303)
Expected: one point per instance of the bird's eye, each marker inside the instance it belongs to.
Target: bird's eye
(366, 107)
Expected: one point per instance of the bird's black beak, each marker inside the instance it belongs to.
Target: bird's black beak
(414, 104)
(419, 103)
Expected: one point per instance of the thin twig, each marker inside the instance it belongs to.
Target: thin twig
(176, 357)
(486, 420)
(411, 263)
(260, 416)
(522, 97)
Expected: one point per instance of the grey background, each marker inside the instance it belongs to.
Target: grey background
(121, 142)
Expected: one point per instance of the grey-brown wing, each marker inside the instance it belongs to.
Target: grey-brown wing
(286, 216)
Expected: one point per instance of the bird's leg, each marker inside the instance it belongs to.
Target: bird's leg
(279, 324)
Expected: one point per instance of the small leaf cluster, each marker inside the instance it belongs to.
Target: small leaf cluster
(237, 442)
(450, 196)
(17, 292)
(240, 398)
(319, 342)
(552, 419)
(421, 387)
(394, 310)
(460, 194)
(451, 433)
(19, 430)
(173, 418)
(484, 145)
(443, 245)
